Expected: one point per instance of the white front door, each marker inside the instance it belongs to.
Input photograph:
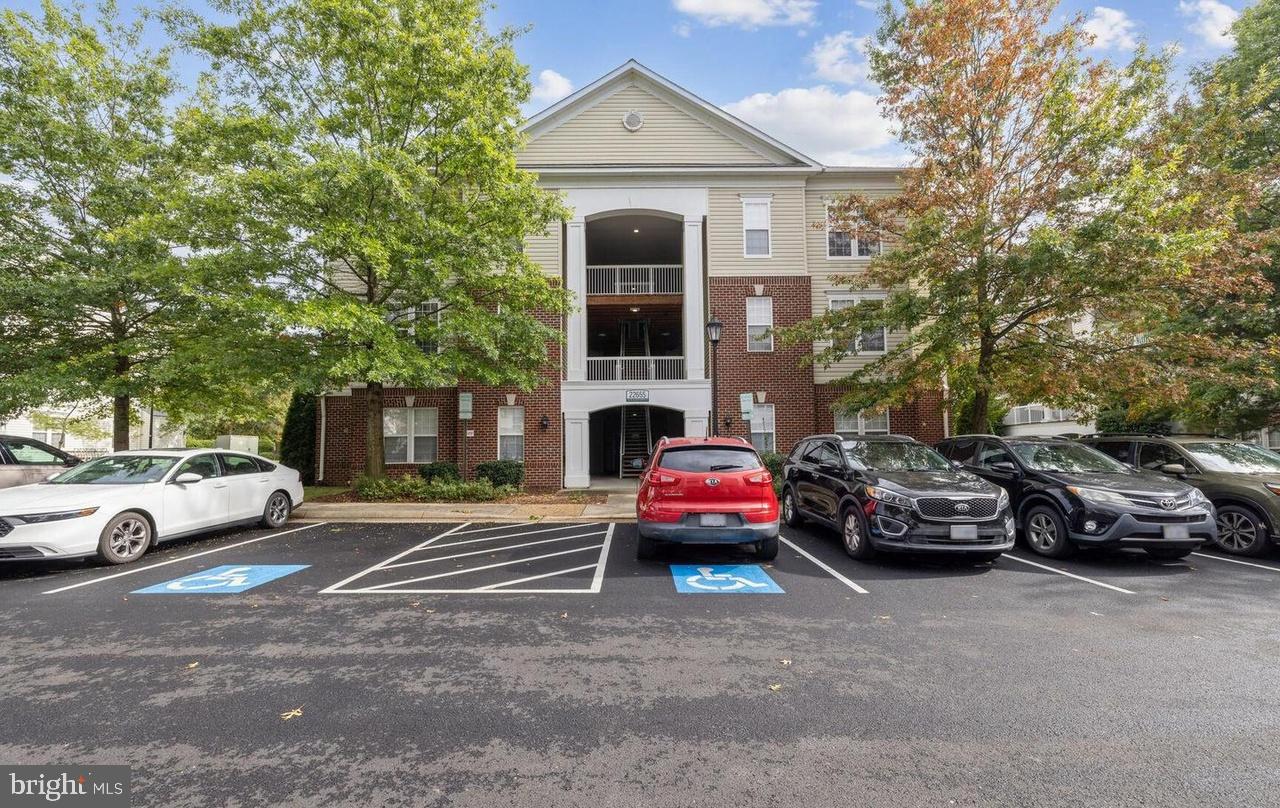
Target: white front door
(249, 486)
(195, 506)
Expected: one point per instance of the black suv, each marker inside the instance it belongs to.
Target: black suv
(892, 493)
(1067, 495)
(1240, 479)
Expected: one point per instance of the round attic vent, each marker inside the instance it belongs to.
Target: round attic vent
(633, 120)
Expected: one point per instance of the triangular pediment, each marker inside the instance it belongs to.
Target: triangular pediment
(633, 117)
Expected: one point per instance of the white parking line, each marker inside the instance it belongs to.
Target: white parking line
(597, 580)
(831, 571)
(396, 557)
(1012, 557)
(176, 560)
(501, 584)
(1237, 561)
(489, 550)
(384, 587)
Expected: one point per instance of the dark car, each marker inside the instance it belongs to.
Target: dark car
(1066, 495)
(1242, 480)
(892, 493)
(24, 461)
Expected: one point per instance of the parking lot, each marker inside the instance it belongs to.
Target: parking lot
(542, 664)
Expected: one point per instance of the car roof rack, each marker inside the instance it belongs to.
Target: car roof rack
(1157, 435)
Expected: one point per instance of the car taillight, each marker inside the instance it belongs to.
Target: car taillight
(658, 478)
(763, 478)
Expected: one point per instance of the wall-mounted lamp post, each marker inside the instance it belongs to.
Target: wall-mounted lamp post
(714, 327)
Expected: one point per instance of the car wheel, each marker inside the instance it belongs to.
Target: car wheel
(1241, 531)
(646, 549)
(1168, 553)
(1046, 533)
(125, 538)
(790, 513)
(853, 534)
(277, 511)
(767, 549)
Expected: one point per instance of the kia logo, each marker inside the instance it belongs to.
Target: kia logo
(1168, 503)
(962, 507)
(713, 481)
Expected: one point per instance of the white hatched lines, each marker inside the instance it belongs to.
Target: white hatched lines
(499, 559)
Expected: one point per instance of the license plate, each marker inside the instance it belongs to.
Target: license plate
(969, 532)
(1177, 532)
(713, 520)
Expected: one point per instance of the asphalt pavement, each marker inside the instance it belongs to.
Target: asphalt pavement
(541, 664)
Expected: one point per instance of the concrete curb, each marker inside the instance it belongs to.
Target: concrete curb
(458, 512)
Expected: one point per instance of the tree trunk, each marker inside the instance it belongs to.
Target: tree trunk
(374, 462)
(979, 420)
(120, 423)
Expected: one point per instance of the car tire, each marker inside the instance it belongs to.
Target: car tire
(277, 510)
(125, 538)
(1241, 531)
(1046, 532)
(646, 548)
(854, 534)
(767, 549)
(1168, 553)
(791, 511)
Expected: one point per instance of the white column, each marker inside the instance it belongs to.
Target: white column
(576, 283)
(577, 450)
(695, 424)
(695, 335)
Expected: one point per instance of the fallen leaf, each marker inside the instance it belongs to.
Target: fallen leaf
(775, 687)
(431, 611)
(563, 615)
(784, 662)
(191, 665)
(885, 616)
(296, 712)
(1162, 597)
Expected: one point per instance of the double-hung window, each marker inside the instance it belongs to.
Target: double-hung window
(762, 431)
(871, 340)
(756, 214)
(759, 324)
(421, 323)
(410, 434)
(511, 433)
(845, 242)
(852, 424)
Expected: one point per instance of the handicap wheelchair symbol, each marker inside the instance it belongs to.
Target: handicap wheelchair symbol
(228, 579)
(739, 579)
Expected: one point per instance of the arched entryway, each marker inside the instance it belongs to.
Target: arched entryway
(621, 437)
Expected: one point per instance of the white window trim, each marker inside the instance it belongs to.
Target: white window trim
(862, 425)
(756, 199)
(859, 298)
(409, 316)
(747, 306)
(854, 240)
(411, 424)
(524, 447)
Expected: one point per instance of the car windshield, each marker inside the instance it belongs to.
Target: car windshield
(884, 455)
(1239, 457)
(118, 470)
(1068, 457)
(708, 458)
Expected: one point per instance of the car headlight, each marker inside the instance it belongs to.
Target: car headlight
(55, 516)
(881, 495)
(1003, 502)
(1198, 497)
(1273, 488)
(1098, 495)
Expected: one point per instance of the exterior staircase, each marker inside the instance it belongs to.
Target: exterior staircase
(637, 432)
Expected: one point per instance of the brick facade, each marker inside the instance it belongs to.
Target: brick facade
(920, 419)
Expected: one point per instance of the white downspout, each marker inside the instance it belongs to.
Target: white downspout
(946, 406)
(320, 462)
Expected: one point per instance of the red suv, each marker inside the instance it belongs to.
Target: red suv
(706, 491)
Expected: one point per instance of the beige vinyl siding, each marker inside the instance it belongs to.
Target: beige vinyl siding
(669, 136)
(815, 214)
(823, 289)
(786, 231)
(544, 250)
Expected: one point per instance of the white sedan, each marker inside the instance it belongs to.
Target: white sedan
(117, 506)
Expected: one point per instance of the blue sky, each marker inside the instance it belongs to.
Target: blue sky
(794, 68)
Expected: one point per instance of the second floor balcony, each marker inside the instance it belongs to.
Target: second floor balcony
(634, 368)
(635, 279)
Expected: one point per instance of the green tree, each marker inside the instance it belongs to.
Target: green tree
(1043, 226)
(374, 172)
(98, 298)
(298, 437)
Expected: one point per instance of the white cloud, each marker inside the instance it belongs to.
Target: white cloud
(683, 29)
(551, 87)
(1112, 29)
(748, 13)
(833, 127)
(869, 5)
(1210, 20)
(841, 57)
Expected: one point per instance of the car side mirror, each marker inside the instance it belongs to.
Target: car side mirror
(1176, 469)
(188, 477)
(1005, 467)
(956, 464)
(71, 462)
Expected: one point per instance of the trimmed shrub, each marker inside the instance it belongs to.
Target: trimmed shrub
(416, 489)
(439, 470)
(773, 462)
(298, 438)
(502, 472)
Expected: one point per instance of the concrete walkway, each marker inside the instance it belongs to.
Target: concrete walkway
(619, 508)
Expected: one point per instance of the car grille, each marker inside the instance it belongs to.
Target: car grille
(5, 527)
(967, 508)
(9, 553)
(1181, 502)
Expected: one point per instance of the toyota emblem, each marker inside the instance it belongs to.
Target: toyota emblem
(962, 507)
(1168, 503)
(713, 481)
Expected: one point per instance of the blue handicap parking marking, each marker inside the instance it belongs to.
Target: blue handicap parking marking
(735, 579)
(225, 580)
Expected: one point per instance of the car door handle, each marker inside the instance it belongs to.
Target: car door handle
(219, 485)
